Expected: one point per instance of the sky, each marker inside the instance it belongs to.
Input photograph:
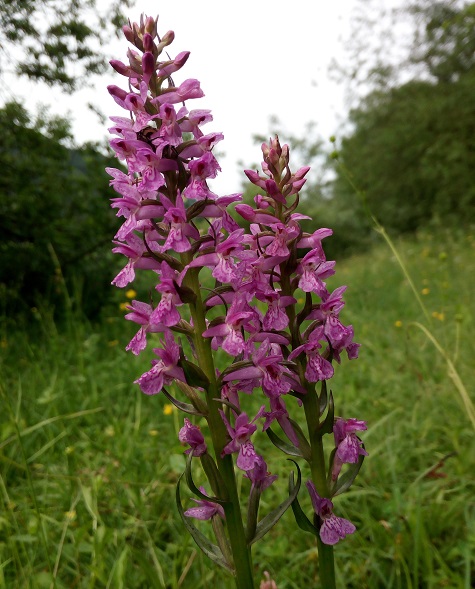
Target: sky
(254, 59)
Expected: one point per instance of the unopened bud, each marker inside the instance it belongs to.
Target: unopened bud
(167, 38)
(151, 26)
(275, 144)
(165, 41)
(148, 42)
(128, 33)
(274, 158)
(148, 66)
(118, 94)
(268, 582)
(121, 68)
(134, 60)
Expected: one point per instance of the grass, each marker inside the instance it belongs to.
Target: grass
(89, 465)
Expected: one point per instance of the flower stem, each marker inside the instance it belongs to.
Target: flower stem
(318, 469)
(237, 537)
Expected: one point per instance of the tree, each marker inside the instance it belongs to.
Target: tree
(55, 219)
(56, 41)
(445, 39)
(410, 145)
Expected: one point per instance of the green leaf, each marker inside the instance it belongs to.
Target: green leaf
(195, 377)
(302, 520)
(345, 480)
(287, 448)
(273, 517)
(210, 549)
(214, 477)
(186, 294)
(304, 446)
(229, 404)
(191, 485)
(326, 426)
(323, 399)
(185, 407)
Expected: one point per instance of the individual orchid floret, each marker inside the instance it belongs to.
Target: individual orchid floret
(134, 250)
(169, 132)
(283, 234)
(275, 318)
(348, 446)
(196, 118)
(178, 238)
(259, 475)
(240, 439)
(170, 67)
(332, 528)
(186, 91)
(318, 368)
(228, 334)
(166, 311)
(280, 414)
(339, 336)
(268, 360)
(222, 259)
(165, 370)
(141, 313)
(206, 509)
(312, 270)
(191, 434)
(201, 169)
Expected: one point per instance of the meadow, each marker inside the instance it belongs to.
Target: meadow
(89, 465)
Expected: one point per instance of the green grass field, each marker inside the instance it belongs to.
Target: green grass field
(89, 464)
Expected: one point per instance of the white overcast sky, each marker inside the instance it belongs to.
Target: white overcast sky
(253, 58)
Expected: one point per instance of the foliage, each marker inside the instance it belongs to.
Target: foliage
(89, 461)
(410, 147)
(413, 154)
(445, 41)
(51, 40)
(54, 216)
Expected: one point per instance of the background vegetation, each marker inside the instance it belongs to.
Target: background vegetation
(88, 465)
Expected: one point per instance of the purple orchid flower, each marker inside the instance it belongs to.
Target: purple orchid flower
(318, 368)
(206, 509)
(259, 475)
(141, 313)
(332, 528)
(163, 371)
(348, 446)
(191, 434)
(240, 439)
(166, 311)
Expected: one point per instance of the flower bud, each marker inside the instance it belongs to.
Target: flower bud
(121, 68)
(148, 66)
(148, 42)
(118, 94)
(151, 26)
(128, 33)
(167, 38)
(268, 582)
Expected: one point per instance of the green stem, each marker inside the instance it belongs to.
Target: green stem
(237, 537)
(319, 477)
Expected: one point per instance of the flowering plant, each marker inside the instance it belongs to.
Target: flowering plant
(259, 298)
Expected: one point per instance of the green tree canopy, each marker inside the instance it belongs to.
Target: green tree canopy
(56, 41)
(55, 219)
(410, 148)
